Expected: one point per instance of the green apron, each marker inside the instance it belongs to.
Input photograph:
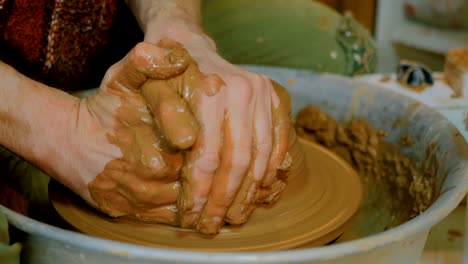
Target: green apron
(9, 254)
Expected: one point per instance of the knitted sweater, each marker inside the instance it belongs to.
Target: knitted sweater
(63, 43)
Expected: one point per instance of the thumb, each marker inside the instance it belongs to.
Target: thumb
(171, 114)
(145, 61)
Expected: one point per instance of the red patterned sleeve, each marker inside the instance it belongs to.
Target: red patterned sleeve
(54, 41)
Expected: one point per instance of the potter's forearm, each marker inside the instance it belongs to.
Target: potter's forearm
(165, 13)
(35, 120)
(176, 19)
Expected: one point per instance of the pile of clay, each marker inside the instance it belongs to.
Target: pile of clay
(381, 165)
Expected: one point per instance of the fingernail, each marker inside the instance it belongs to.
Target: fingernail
(234, 215)
(275, 192)
(240, 215)
(287, 161)
(209, 226)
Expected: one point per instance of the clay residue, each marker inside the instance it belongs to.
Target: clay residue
(407, 141)
(361, 146)
(145, 184)
(157, 178)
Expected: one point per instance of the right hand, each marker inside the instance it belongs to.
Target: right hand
(242, 144)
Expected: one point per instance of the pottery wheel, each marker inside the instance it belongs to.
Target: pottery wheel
(315, 208)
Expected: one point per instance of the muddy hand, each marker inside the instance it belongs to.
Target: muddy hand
(121, 131)
(273, 183)
(277, 175)
(242, 140)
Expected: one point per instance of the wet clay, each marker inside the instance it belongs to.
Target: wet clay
(158, 152)
(322, 196)
(143, 184)
(361, 146)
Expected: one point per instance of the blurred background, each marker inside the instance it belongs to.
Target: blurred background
(421, 30)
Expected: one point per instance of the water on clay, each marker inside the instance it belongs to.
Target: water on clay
(394, 190)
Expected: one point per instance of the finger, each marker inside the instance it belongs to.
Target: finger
(193, 83)
(165, 214)
(126, 111)
(202, 162)
(208, 84)
(272, 193)
(235, 158)
(281, 104)
(171, 114)
(106, 199)
(117, 205)
(141, 193)
(136, 112)
(245, 201)
(145, 155)
(118, 192)
(157, 171)
(145, 61)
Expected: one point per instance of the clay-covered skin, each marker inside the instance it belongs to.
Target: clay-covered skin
(230, 198)
(243, 140)
(143, 183)
(270, 189)
(359, 144)
(238, 128)
(160, 127)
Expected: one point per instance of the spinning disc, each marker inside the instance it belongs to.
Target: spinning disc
(314, 209)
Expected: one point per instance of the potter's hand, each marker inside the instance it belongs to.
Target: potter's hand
(242, 141)
(128, 137)
(244, 126)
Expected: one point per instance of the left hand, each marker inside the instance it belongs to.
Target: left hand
(126, 142)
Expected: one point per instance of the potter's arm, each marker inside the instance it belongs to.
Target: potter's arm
(35, 121)
(74, 140)
(180, 20)
(166, 13)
